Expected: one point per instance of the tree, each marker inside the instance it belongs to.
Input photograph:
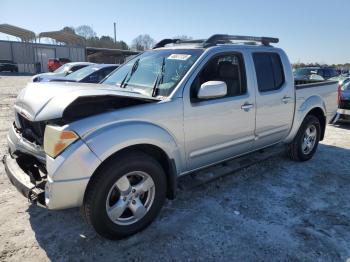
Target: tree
(93, 40)
(68, 29)
(143, 42)
(106, 42)
(122, 45)
(85, 31)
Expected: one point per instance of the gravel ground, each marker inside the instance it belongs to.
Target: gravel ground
(275, 210)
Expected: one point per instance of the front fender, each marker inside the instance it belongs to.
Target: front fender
(110, 139)
(303, 107)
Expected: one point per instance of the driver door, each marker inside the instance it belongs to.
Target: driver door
(220, 128)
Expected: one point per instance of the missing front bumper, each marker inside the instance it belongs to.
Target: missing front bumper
(26, 177)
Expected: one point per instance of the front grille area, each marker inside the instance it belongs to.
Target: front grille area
(32, 131)
(344, 104)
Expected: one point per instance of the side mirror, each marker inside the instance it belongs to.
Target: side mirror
(212, 89)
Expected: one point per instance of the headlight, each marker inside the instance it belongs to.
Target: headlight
(56, 140)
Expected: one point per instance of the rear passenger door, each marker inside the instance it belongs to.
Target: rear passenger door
(274, 99)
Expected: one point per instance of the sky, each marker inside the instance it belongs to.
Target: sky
(309, 30)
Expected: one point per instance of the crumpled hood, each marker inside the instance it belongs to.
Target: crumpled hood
(46, 101)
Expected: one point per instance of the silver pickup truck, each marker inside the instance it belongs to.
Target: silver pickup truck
(117, 149)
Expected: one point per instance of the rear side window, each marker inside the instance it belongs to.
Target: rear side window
(76, 68)
(269, 71)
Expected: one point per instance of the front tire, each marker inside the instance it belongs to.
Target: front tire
(125, 196)
(305, 143)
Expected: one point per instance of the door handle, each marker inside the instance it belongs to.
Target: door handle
(286, 99)
(246, 107)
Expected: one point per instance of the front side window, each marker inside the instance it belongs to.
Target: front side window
(228, 68)
(269, 71)
(155, 72)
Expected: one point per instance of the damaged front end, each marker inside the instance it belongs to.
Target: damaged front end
(28, 175)
(36, 108)
(25, 162)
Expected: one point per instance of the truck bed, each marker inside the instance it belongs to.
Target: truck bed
(327, 90)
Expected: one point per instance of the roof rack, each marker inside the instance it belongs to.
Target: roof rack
(164, 42)
(219, 39)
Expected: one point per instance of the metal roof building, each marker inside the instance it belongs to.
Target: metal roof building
(32, 56)
(24, 34)
(108, 55)
(64, 37)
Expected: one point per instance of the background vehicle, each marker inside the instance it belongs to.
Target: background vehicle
(343, 96)
(315, 73)
(89, 74)
(345, 73)
(55, 63)
(64, 70)
(118, 150)
(344, 99)
(8, 65)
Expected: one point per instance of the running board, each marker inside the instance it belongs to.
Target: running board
(212, 173)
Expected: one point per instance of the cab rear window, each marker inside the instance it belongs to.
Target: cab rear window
(269, 71)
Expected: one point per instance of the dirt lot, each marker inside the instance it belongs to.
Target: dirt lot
(276, 210)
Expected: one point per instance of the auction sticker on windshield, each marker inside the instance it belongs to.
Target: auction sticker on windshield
(179, 56)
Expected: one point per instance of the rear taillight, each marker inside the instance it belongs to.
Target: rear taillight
(339, 94)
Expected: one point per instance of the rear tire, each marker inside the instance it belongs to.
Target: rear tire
(305, 143)
(115, 205)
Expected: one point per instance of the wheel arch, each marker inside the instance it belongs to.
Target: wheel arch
(320, 115)
(314, 105)
(167, 163)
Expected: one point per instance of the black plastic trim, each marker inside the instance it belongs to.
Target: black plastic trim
(319, 83)
(172, 180)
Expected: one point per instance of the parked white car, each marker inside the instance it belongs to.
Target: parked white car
(63, 70)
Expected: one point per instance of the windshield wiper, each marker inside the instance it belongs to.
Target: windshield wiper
(124, 83)
(159, 79)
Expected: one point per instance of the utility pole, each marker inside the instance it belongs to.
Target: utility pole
(115, 34)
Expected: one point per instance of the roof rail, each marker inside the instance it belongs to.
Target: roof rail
(164, 42)
(219, 39)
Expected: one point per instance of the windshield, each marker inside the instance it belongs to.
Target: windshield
(61, 69)
(156, 72)
(82, 73)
